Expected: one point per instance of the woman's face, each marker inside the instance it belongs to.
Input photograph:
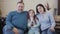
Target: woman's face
(31, 13)
(40, 9)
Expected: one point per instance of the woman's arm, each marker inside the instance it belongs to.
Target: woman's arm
(51, 18)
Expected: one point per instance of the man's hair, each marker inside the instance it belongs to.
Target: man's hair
(20, 2)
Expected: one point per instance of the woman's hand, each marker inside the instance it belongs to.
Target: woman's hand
(15, 30)
(52, 29)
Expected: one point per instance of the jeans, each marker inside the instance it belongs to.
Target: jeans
(47, 31)
(8, 30)
(33, 31)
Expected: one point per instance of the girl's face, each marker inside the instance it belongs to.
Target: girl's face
(40, 9)
(31, 13)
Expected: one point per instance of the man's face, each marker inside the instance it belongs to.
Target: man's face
(20, 6)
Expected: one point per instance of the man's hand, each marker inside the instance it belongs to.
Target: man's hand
(15, 30)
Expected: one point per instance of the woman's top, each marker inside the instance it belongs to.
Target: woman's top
(46, 20)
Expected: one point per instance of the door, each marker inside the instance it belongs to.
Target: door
(58, 7)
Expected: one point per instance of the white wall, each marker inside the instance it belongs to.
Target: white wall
(9, 5)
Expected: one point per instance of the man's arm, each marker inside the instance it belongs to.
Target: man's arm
(9, 20)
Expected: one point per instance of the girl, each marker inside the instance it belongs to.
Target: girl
(45, 19)
(33, 24)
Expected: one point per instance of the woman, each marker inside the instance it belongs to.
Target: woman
(33, 24)
(46, 20)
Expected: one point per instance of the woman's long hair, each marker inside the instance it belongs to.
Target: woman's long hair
(41, 6)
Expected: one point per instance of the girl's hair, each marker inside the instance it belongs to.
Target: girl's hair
(34, 17)
(41, 6)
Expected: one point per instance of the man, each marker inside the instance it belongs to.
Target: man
(16, 21)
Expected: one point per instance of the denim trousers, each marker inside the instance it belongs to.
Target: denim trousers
(47, 31)
(8, 30)
(34, 31)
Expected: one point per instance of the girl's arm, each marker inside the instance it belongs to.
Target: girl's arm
(37, 24)
(29, 24)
